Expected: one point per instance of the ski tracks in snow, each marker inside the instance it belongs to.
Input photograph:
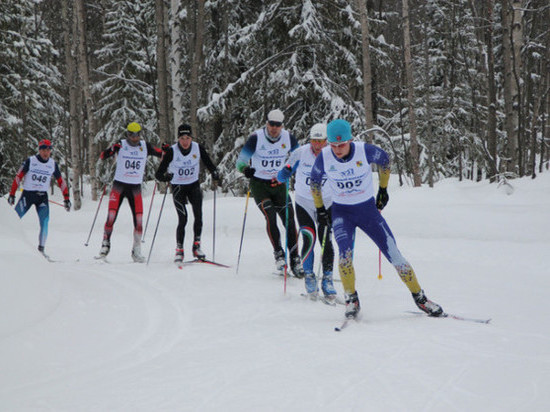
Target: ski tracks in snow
(132, 319)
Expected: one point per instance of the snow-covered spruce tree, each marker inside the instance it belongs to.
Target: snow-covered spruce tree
(30, 105)
(444, 90)
(287, 54)
(126, 91)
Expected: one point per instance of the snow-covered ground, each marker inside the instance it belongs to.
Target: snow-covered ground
(80, 335)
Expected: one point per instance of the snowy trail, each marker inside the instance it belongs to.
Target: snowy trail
(81, 335)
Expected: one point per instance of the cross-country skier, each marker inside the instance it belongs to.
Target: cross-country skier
(131, 158)
(300, 162)
(37, 172)
(261, 158)
(347, 166)
(180, 166)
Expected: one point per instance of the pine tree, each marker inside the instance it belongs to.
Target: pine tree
(30, 104)
(126, 90)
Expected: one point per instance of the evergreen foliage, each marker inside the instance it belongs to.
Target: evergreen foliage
(303, 57)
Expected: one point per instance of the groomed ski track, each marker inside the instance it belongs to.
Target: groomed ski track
(89, 336)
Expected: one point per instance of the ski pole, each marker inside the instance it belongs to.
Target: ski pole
(214, 229)
(380, 260)
(379, 264)
(56, 203)
(95, 217)
(242, 232)
(323, 243)
(286, 235)
(158, 221)
(149, 213)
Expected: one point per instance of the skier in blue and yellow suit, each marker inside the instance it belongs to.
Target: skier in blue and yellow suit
(347, 166)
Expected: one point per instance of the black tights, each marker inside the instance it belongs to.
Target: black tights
(181, 194)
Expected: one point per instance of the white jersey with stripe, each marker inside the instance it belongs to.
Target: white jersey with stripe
(306, 157)
(269, 158)
(350, 181)
(185, 168)
(130, 162)
(39, 175)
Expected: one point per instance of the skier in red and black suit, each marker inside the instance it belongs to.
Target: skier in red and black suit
(37, 171)
(181, 166)
(132, 155)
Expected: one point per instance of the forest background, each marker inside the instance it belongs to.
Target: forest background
(450, 88)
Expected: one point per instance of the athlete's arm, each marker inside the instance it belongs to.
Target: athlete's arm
(23, 169)
(378, 156)
(316, 180)
(247, 151)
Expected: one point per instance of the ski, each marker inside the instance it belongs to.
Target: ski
(325, 300)
(451, 316)
(49, 259)
(209, 262)
(344, 324)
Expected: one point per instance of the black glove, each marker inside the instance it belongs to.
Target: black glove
(323, 218)
(67, 203)
(11, 200)
(115, 148)
(216, 176)
(165, 147)
(382, 198)
(167, 177)
(249, 171)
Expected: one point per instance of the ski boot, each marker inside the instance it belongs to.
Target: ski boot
(179, 255)
(105, 248)
(41, 250)
(426, 305)
(297, 269)
(327, 286)
(136, 253)
(197, 252)
(352, 305)
(311, 286)
(279, 260)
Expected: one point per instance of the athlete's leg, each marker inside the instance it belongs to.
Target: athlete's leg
(376, 227)
(195, 198)
(179, 196)
(344, 233)
(115, 199)
(279, 201)
(136, 205)
(328, 251)
(43, 211)
(262, 197)
(307, 229)
(24, 204)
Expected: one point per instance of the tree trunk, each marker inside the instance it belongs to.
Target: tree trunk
(511, 47)
(429, 112)
(83, 71)
(195, 66)
(415, 160)
(162, 72)
(367, 73)
(492, 115)
(175, 64)
(71, 53)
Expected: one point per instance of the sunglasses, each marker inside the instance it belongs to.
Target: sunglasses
(44, 147)
(132, 134)
(274, 124)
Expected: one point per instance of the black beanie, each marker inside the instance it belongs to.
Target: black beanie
(185, 129)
